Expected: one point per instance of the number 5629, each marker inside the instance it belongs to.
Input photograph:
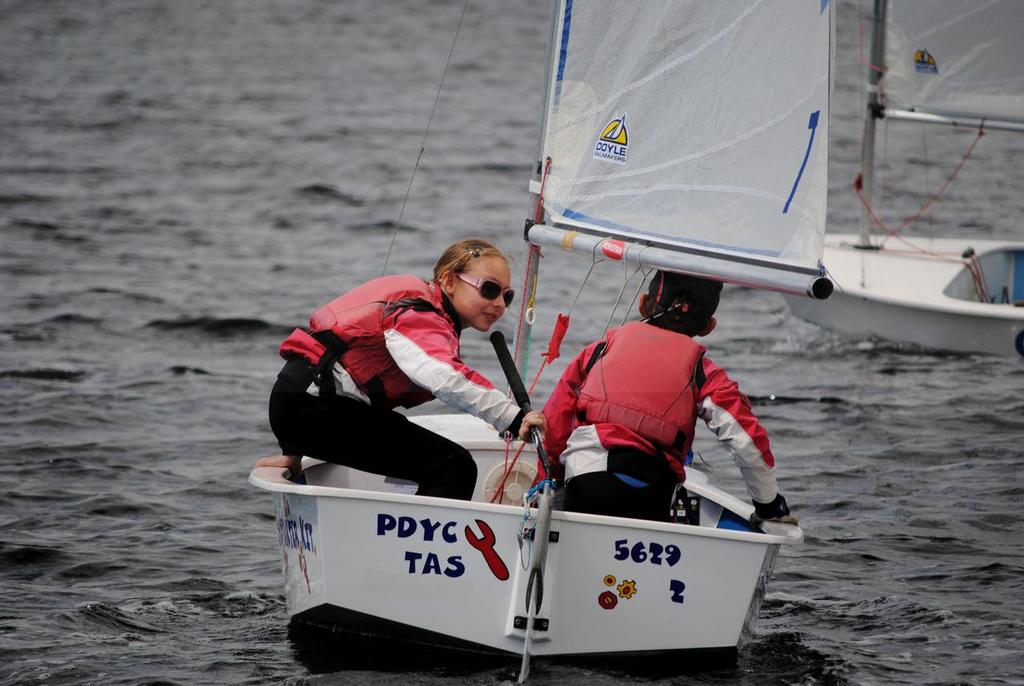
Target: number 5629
(655, 553)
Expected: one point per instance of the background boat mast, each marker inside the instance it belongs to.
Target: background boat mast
(873, 112)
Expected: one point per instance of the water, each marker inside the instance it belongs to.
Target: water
(181, 182)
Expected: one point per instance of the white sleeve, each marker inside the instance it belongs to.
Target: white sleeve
(758, 475)
(448, 384)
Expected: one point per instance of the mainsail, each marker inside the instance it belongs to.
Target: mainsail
(697, 131)
(955, 59)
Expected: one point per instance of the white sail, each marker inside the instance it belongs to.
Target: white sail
(955, 58)
(697, 127)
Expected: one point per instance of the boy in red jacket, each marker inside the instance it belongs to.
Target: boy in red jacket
(622, 417)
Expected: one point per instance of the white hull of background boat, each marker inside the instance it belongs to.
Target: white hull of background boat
(903, 294)
(364, 555)
(941, 64)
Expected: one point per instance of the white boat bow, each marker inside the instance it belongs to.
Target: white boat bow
(924, 295)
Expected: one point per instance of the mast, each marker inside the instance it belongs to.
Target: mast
(531, 257)
(876, 69)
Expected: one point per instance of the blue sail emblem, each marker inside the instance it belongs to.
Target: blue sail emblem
(924, 62)
(613, 142)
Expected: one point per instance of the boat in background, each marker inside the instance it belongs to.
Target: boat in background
(945, 64)
(685, 137)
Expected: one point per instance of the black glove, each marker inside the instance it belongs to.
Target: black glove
(776, 509)
(513, 428)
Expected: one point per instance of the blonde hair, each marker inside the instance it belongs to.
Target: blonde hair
(457, 256)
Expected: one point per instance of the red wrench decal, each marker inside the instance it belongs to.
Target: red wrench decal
(485, 544)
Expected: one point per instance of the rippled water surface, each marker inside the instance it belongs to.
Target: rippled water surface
(181, 182)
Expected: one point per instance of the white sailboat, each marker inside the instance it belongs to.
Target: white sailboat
(940, 64)
(682, 136)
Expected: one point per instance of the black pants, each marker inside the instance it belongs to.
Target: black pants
(349, 432)
(607, 494)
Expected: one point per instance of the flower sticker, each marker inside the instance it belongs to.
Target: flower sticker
(610, 580)
(607, 600)
(627, 589)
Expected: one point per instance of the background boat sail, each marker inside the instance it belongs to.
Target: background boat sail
(690, 137)
(946, 64)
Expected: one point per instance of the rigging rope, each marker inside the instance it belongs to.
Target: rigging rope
(526, 313)
(618, 299)
(969, 260)
(858, 186)
(423, 143)
(538, 212)
(863, 61)
(500, 490)
(640, 287)
(562, 325)
(526, 310)
(980, 284)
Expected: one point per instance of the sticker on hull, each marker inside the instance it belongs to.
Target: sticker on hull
(430, 533)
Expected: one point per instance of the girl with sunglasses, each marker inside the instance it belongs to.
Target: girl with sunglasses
(394, 341)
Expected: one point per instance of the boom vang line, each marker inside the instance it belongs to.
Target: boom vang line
(423, 143)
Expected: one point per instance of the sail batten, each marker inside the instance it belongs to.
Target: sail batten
(693, 124)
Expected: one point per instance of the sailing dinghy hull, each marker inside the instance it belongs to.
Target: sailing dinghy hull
(905, 294)
(380, 562)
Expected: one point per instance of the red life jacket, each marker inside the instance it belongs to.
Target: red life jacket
(356, 320)
(645, 380)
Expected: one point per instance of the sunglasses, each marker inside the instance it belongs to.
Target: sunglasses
(489, 290)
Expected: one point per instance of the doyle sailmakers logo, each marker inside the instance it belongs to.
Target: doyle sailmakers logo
(924, 62)
(613, 142)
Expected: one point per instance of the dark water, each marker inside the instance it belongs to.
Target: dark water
(181, 182)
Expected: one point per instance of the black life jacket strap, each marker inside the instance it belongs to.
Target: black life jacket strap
(598, 352)
(375, 391)
(699, 378)
(698, 382)
(594, 357)
(324, 374)
(335, 348)
(418, 304)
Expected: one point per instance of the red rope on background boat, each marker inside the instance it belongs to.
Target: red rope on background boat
(970, 262)
(974, 267)
(863, 61)
(858, 185)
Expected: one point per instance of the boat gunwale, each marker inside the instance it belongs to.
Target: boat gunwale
(941, 302)
(273, 479)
